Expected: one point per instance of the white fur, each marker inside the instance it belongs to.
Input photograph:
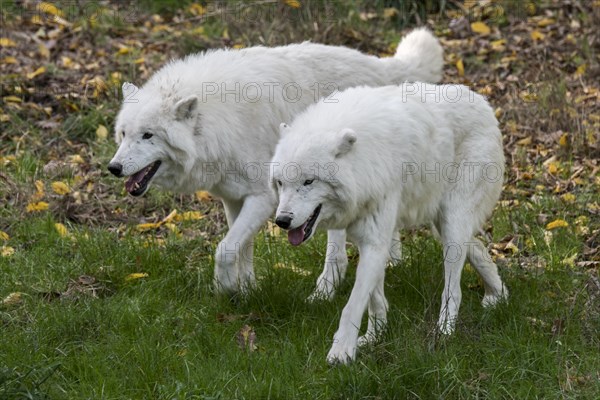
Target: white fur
(223, 144)
(397, 152)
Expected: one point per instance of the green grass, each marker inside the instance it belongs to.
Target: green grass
(162, 336)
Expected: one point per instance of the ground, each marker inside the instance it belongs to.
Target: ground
(108, 296)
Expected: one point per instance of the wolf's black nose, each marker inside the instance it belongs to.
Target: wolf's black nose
(115, 168)
(283, 221)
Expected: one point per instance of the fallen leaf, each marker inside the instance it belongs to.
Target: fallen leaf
(293, 3)
(189, 216)
(568, 198)
(557, 223)
(39, 206)
(50, 8)
(148, 226)
(61, 188)
(13, 299)
(169, 217)
(481, 28)
(4, 236)
(61, 229)
(101, 133)
(6, 42)
(203, 196)
(564, 140)
(7, 251)
(537, 35)
(197, 9)
(460, 67)
(135, 276)
(37, 72)
(544, 22)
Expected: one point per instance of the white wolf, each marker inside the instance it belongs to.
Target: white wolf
(403, 156)
(210, 122)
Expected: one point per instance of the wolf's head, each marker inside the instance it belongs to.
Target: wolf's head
(308, 179)
(156, 137)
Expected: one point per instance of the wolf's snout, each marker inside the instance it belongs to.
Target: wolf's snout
(283, 221)
(115, 168)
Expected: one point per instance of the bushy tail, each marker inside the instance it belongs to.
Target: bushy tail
(421, 53)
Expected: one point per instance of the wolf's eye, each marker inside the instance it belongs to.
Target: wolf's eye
(308, 182)
(123, 133)
(279, 182)
(147, 135)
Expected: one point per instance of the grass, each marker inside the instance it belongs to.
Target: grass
(75, 324)
(168, 336)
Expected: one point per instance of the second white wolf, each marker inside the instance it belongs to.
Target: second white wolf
(401, 156)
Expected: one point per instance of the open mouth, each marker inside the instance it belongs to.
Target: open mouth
(137, 183)
(298, 235)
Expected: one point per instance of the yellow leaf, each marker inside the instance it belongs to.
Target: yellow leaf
(202, 196)
(60, 187)
(197, 9)
(39, 206)
(50, 8)
(189, 216)
(581, 70)
(552, 168)
(568, 197)
(101, 132)
(12, 99)
(570, 261)
(148, 226)
(537, 35)
(140, 60)
(7, 251)
(123, 50)
(37, 72)
(169, 217)
(135, 276)
(6, 42)
(172, 227)
(557, 223)
(76, 159)
(4, 236)
(39, 186)
(542, 23)
(564, 141)
(498, 45)
(13, 299)
(293, 3)
(273, 229)
(460, 67)
(9, 60)
(525, 141)
(43, 50)
(61, 229)
(481, 28)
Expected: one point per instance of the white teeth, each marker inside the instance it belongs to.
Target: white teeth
(137, 185)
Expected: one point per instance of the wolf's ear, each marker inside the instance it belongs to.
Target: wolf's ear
(283, 129)
(345, 141)
(129, 90)
(185, 108)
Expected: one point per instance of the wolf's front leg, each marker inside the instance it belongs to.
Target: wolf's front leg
(373, 236)
(336, 262)
(233, 259)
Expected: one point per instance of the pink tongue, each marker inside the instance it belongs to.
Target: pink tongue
(135, 178)
(296, 236)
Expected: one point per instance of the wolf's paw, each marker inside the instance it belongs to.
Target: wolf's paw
(320, 295)
(446, 326)
(492, 299)
(367, 339)
(343, 350)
